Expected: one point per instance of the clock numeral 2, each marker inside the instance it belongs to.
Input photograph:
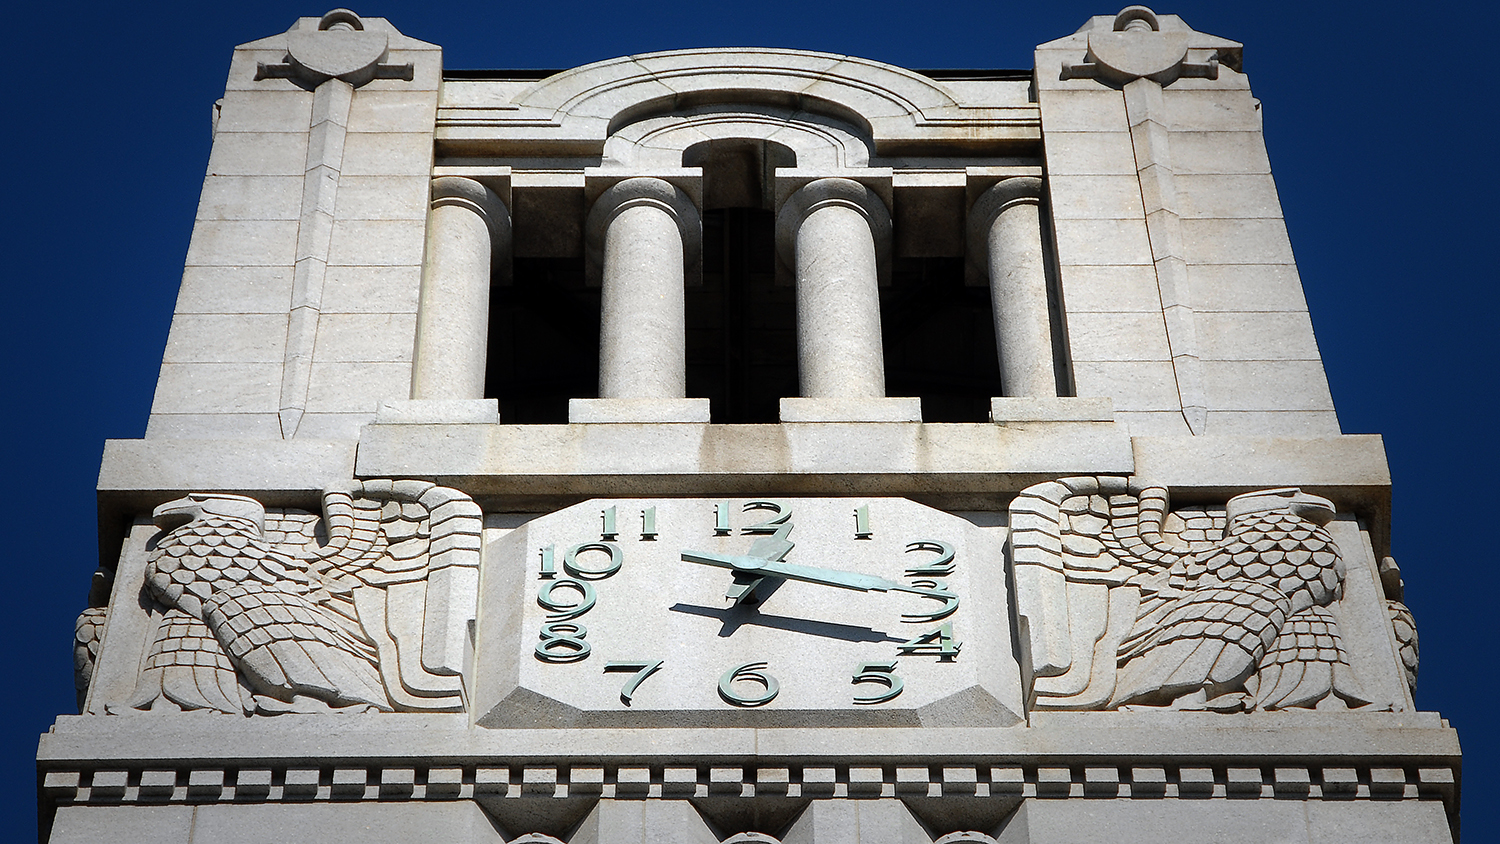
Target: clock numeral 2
(883, 673)
(642, 671)
(939, 643)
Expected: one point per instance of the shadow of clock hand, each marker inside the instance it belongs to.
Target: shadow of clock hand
(736, 617)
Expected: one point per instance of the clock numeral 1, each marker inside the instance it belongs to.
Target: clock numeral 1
(648, 524)
(721, 519)
(939, 643)
(754, 672)
(642, 671)
(862, 522)
(609, 533)
(883, 673)
(549, 564)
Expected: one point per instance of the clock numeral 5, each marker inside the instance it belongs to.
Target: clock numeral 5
(939, 643)
(642, 671)
(882, 673)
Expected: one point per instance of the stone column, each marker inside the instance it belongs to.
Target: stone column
(1005, 230)
(468, 238)
(832, 231)
(643, 232)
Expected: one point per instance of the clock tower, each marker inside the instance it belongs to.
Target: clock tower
(744, 445)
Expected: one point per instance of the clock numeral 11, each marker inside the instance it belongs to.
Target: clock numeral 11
(862, 523)
(609, 533)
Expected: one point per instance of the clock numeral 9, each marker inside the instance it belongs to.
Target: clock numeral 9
(562, 641)
(883, 673)
(754, 672)
(560, 611)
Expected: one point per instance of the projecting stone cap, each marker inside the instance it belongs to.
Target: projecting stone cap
(1138, 43)
(338, 45)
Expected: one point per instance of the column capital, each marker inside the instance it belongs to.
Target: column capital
(834, 192)
(638, 192)
(1003, 195)
(474, 196)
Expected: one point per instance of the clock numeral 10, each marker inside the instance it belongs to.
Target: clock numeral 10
(609, 533)
(939, 643)
(883, 673)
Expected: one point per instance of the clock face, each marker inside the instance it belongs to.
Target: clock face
(749, 611)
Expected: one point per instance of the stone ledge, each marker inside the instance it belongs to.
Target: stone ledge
(593, 411)
(440, 411)
(851, 410)
(1005, 409)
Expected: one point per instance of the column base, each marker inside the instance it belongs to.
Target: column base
(590, 411)
(1049, 409)
(851, 410)
(439, 411)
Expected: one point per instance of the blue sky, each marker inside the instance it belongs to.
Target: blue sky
(1380, 119)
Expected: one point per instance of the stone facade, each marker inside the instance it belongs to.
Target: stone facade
(744, 445)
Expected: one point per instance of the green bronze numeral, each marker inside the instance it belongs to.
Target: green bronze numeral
(940, 567)
(754, 672)
(721, 518)
(939, 643)
(648, 524)
(609, 533)
(937, 590)
(571, 565)
(549, 565)
(883, 673)
(862, 522)
(562, 642)
(560, 610)
(642, 671)
(770, 525)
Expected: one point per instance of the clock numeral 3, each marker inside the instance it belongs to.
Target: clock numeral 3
(883, 673)
(752, 671)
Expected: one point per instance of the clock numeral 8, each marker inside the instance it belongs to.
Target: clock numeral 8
(562, 641)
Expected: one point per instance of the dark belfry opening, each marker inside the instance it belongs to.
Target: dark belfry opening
(741, 326)
(543, 341)
(939, 340)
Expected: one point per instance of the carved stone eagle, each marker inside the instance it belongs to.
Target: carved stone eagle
(362, 619)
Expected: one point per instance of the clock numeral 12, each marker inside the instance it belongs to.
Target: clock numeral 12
(642, 671)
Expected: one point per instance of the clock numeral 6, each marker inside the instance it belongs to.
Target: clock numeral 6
(752, 671)
(939, 643)
(883, 673)
(562, 641)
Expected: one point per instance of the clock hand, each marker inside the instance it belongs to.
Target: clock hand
(808, 574)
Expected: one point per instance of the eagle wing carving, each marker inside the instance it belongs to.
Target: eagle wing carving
(355, 611)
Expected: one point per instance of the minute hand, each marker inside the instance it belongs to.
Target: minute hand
(808, 574)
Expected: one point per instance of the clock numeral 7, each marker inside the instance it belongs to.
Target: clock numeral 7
(883, 673)
(642, 671)
(939, 643)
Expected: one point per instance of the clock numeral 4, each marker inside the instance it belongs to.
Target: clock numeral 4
(883, 673)
(642, 671)
(939, 643)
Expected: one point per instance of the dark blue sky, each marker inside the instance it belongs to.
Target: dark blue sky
(1380, 119)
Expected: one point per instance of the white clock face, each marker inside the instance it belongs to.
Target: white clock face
(750, 611)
